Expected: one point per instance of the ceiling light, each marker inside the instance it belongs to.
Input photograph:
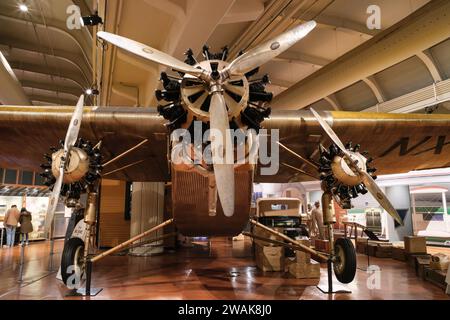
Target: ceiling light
(23, 8)
(92, 91)
(92, 20)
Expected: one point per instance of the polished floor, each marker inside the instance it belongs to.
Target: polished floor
(224, 271)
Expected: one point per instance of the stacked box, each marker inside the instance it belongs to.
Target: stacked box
(269, 258)
(258, 231)
(436, 277)
(322, 245)
(398, 253)
(303, 256)
(287, 262)
(412, 259)
(422, 262)
(302, 270)
(415, 245)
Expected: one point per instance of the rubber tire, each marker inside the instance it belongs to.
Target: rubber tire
(68, 256)
(348, 270)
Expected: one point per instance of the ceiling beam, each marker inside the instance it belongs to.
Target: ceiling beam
(45, 71)
(273, 9)
(421, 30)
(333, 102)
(53, 100)
(304, 58)
(345, 25)
(280, 83)
(417, 100)
(375, 87)
(430, 63)
(9, 44)
(76, 92)
(82, 39)
(244, 11)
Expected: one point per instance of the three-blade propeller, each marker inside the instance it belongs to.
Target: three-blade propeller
(219, 118)
(365, 178)
(69, 142)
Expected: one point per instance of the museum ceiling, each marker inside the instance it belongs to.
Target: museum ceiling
(55, 64)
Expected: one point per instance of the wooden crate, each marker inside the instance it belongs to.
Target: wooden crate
(436, 277)
(398, 253)
(412, 259)
(305, 270)
(322, 245)
(269, 258)
(421, 263)
(415, 244)
(287, 262)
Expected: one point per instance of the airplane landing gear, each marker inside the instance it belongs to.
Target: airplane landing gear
(72, 264)
(76, 261)
(342, 255)
(344, 264)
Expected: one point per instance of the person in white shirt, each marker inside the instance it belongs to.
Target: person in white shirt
(317, 218)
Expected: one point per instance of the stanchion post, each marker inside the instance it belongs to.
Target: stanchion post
(88, 277)
(330, 276)
(52, 243)
(21, 263)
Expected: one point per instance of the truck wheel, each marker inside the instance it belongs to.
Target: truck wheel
(72, 263)
(345, 263)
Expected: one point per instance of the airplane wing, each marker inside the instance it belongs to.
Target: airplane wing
(27, 133)
(398, 143)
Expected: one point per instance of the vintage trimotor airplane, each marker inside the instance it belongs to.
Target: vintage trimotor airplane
(214, 198)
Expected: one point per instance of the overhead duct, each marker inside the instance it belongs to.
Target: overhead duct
(421, 30)
(11, 91)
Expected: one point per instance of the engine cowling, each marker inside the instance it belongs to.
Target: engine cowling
(83, 168)
(341, 179)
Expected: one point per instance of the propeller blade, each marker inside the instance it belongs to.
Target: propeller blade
(223, 170)
(269, 49)
(330, 132)
(74, 126)
(71, 138)
(53, 200)
(366, 179)
(378, 194)
(149, 53)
